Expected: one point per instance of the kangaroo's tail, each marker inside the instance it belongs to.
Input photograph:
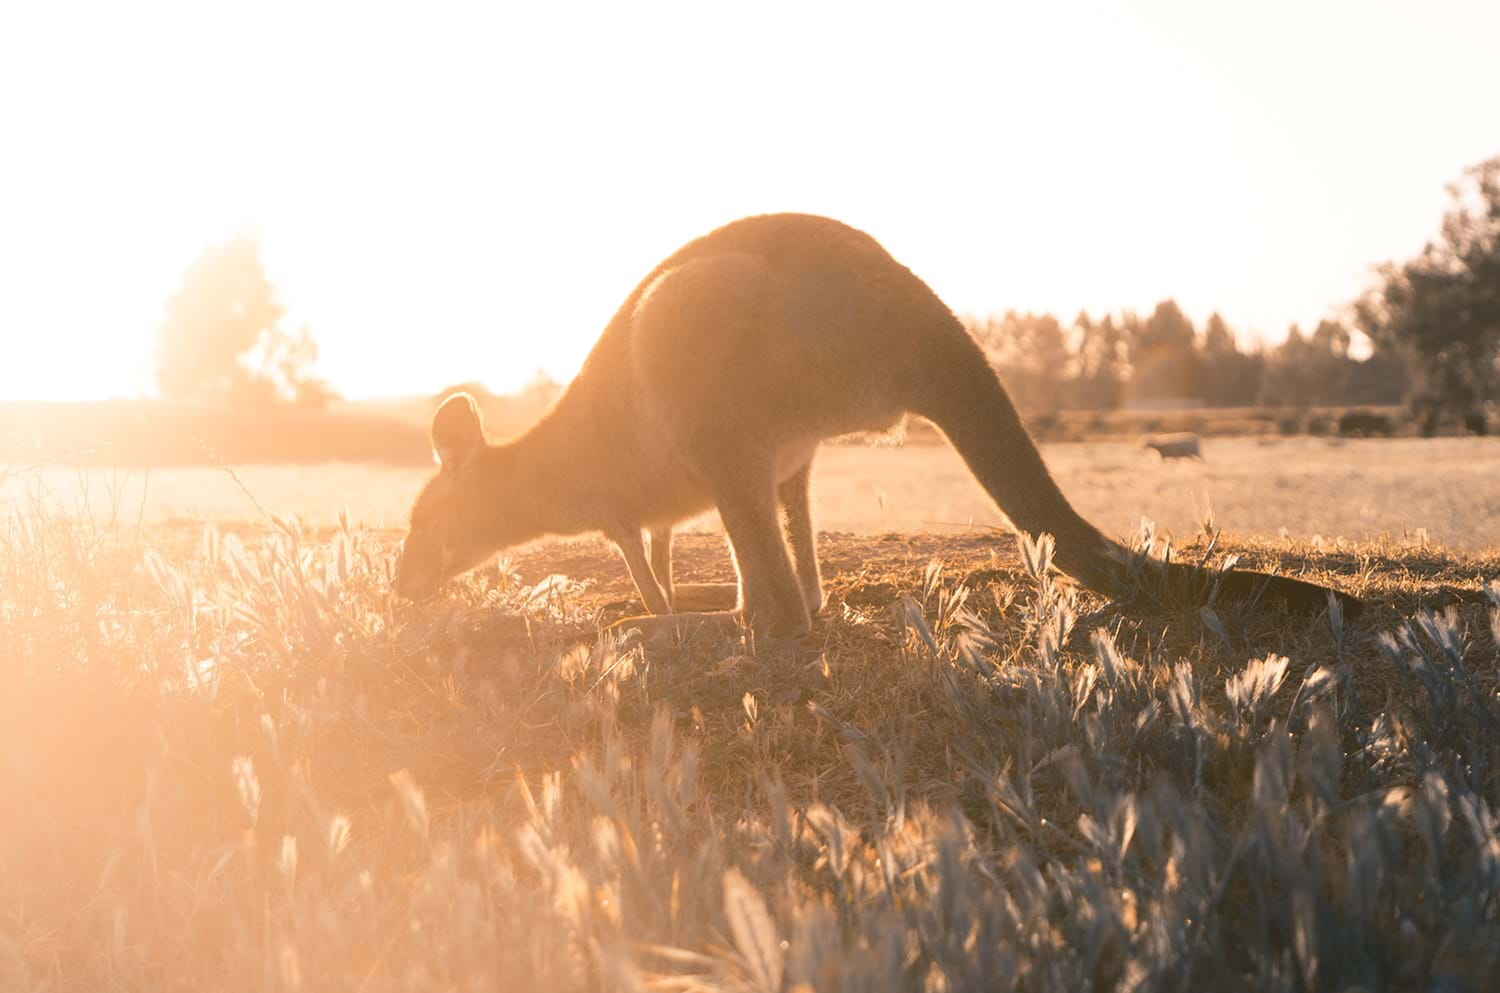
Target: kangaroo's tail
(958, 391)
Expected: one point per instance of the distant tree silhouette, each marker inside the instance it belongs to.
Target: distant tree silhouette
(1031, 353)
(1383, 378)
(1099, 363)
(1217, 338)
(1164, 358)
(1284, 384)
(1309, 370)
(1231, 378)
(1442, 308)
(222, 335)
(1330, 365)
(1167, 327)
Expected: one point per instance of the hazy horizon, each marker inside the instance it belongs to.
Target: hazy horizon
(469, 196)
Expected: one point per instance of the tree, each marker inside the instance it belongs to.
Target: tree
(222, 334)
(1383, 377)
(1163, 355)
(1217, 338)
(281, 369)
(1099, 363)
(1330, 365)
(1031, 353)
(1442, 308)
(1231, 378)
(1167, 327)
(1308, 370)
(1285, 383)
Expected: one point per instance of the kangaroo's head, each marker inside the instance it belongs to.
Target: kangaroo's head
(453, 522)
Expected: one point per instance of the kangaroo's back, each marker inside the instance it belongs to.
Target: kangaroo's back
(826, 267)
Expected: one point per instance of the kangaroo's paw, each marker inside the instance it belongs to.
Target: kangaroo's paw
(1297, 595)
(705, 596)
(660, 629)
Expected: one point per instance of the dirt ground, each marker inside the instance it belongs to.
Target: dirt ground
(703, 557)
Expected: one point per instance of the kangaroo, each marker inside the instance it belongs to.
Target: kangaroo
(711, 387)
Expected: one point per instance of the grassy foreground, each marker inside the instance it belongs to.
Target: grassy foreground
(230, 763)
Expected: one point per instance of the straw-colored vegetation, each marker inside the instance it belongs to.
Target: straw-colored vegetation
(232, 762)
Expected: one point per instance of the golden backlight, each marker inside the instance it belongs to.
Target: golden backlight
(467, 195)
(665, 680)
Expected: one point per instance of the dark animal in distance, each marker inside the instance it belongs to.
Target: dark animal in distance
(1364, 424)
(1180, 445)
(712, 387)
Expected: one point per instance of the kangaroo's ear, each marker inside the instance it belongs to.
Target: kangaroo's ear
(457, 432)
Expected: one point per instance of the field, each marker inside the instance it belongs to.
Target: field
(229, 760)
(1446, 489)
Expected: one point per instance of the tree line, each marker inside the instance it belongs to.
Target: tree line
(1162, 361)
(1428, 331)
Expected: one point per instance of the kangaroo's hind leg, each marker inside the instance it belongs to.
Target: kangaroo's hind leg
(771, 597)
(661, 560)
(633, 547)
(795, 494)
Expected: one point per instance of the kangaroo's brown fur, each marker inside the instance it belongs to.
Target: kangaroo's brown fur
(712, 387)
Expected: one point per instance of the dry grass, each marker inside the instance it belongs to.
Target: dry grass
(231, 762)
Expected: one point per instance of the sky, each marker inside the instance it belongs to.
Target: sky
(447, 193)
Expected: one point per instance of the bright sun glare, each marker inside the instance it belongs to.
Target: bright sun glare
(468, 194)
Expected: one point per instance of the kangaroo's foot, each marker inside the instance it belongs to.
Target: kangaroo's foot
(1297, 595)
(709, 597)
(688, 598)
(659, 629)
(777, 618)
(666, 629)
(812, 591)
(705, 596)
